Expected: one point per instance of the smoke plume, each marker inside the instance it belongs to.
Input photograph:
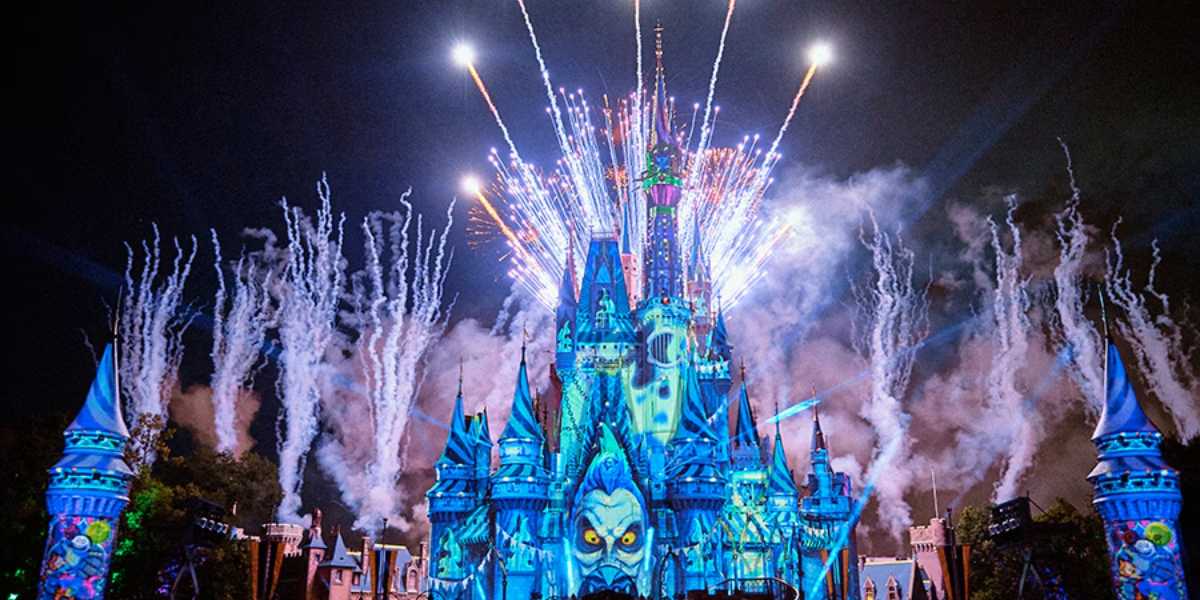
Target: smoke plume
(151, 329)
(894, 315)
(241, 318)
(396, 310)
(308, 292)
(1157, 342)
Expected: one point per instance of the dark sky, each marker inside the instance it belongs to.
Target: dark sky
(203, 117)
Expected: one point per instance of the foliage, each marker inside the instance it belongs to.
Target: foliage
(1064, 540)
(29, 448)
(153, 526)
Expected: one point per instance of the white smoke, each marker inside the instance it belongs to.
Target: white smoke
(396, 310)
(240, 323)
(308, 292)
(895, 315)
(1157, 341)
(1010, 308)
(1076, 333)
(151, 330)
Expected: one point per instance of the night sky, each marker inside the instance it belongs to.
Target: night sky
(203, 117)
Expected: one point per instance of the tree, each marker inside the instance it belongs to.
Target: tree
(1064, 540)
(150, 550)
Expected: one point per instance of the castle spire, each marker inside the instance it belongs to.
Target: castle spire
(458, 442)
(1135, 492)
(522, 424)
(746, 451)
(818, 437)
(88, 490)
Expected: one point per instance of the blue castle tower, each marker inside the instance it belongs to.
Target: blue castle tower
(520, 492)
(830, 567)
(1137, 495)
(89, 488)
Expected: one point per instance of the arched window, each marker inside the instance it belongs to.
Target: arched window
(869, 590)
(893, 589)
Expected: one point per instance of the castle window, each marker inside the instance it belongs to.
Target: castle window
(337, 577)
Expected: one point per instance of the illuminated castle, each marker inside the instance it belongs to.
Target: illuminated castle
(624, 475)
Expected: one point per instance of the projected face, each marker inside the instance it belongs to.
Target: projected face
(609, 541)
(608, 528)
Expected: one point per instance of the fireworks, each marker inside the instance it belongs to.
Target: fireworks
(594, 187)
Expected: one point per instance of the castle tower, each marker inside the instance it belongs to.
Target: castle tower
(481, 436)
(1137, 495)
(337, 573)
(314, 554)
(89, 488)
(564, 317)
(745, 451)
(699, 285)
(520, 494)
(453, 496)
(663, 263)
(828, 549)
(628, 260)
(696, 486)
(783, 510)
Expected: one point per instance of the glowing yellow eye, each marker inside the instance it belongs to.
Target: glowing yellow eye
(590, 536)
(629, 538)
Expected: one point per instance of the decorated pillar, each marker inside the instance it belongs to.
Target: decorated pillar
(1137, 495)
(89, 488)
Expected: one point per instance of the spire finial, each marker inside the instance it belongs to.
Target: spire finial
(777, 419)
(742, 370)
(460, 374)
(524, 337)
(658, 50)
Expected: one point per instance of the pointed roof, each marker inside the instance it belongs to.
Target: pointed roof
(566, 287)
(340, 557)
(662, 124)
(818, 437)
(458, 441)
(746, 433)
(1122, 412)
(626, 244)
(718, 338)
(522, 424)
(697, 266)
(693, 422)
(102, 409)
(781, 483)
(479, 428)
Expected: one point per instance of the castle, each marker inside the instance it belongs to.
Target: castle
(625, 475)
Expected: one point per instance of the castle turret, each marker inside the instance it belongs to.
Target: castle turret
(314, 554)
(783, 511)
(520, 493)
(89, 488)
(829, 552)
(745, 451)
(453, 496)
(633, 281)
(1137, 495)
(338, 571)
(564, 317)
(696, 485)
(664, 268)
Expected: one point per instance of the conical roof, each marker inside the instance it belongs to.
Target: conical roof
(1122, 412)
(818, 436)
(781, 475)
(746, 432)
(340, 557)
(102, 409)
(693, 422)
(459, 444)
(522, 424)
